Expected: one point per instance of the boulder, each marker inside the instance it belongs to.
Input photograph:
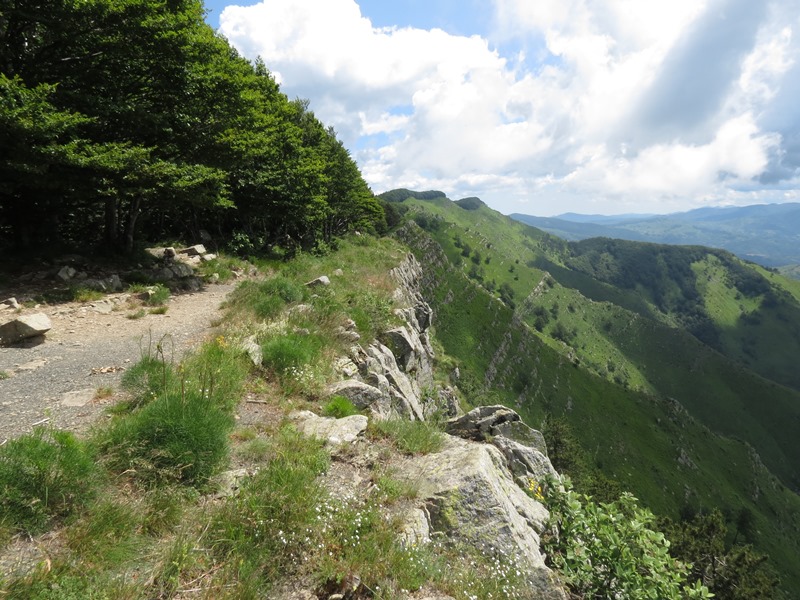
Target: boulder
(23, 327)
(523, 448)
(472, 499)
(196, 250)
(333, 431)
(181, 270)
(362, 395)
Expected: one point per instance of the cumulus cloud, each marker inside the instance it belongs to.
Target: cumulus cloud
(665, 105)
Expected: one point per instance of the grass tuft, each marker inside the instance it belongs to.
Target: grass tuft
(411, 437)
(44, 476)
(339, 407)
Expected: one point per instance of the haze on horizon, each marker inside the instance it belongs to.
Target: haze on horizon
(620, 106)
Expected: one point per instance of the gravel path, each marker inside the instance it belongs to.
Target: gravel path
(88, 348)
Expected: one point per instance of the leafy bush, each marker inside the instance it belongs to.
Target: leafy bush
(610, 551)
(339, 407)
(44, 476)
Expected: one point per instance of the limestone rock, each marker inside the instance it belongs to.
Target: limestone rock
(471, 498)
(334, 431)
(362, 395)
(251, 346)
(196, 250)
(523, 448)
(181, 270)
(23, 327)
(319, 281)
(66, 273)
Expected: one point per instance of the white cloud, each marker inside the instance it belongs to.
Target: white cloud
(628, 101)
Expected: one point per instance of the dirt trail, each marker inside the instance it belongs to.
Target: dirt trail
(89, 347)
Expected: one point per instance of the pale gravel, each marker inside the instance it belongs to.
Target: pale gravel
(49, 378)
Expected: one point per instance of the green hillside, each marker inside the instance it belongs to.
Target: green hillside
(678, 422)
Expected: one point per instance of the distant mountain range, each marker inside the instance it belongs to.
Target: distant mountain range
(768, 234)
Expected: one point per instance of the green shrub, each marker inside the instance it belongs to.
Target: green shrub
(267, 298)
(219, 370)
(174, 438)
(80, 294)
(147, 379)
(610, 551)
(288, 353)
(339, 407)
(411, 437)
(44, 476)
(158, 296)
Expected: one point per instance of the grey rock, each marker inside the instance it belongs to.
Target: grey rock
(181, 270)
(523, 448)
(338, 273)
(214, 278)
(103, 307)
(77, 398)
(229, 482)
(169, 253)
(253, 349)
(333, 431)
(471, 498)
(319, 281)
(66, 273)
(11, 303)
(362, 395)
(347, 335)
(196, 250)
(415, 529)
(23, 327)
(208, 257)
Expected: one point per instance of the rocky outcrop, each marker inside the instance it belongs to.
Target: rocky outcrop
(332, 431)
(523, 448)
(472, 499)
(393, 376)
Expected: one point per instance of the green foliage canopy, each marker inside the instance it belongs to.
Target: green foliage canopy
(124, 118)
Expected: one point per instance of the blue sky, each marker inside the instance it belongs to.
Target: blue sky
(594, 106)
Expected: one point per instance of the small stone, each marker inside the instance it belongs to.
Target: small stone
(77, 398)
(208, 257)
(66, 273)
(319, 281)
(338, 272)
(11, 303)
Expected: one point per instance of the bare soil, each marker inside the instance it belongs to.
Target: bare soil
(68, 377)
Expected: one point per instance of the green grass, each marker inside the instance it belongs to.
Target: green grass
(411, 437)
(45, 476)
(339, 407)
(80, 294)
(4, 375)
(630, 431)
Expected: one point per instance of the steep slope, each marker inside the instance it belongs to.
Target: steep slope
(613, 365)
